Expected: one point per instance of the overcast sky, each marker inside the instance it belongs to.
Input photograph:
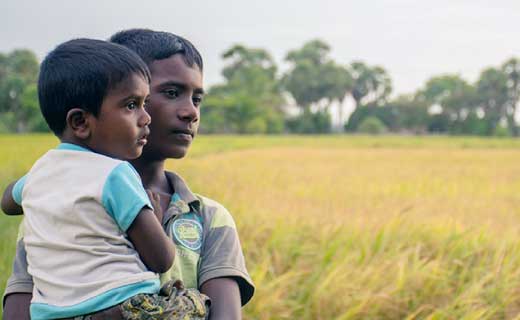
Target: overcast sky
(412, 39)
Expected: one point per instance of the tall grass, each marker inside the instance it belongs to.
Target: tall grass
(339, 227)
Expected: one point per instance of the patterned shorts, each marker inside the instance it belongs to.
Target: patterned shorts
(173, 302)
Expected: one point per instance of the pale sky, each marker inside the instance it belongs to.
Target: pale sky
(412, 39)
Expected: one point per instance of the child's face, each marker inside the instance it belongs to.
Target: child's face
(175, 95)
(121, 128)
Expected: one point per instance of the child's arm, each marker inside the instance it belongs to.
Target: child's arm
(127, 202)
(149, 239)
(9, 205)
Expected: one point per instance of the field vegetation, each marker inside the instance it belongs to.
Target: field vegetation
(353, 227)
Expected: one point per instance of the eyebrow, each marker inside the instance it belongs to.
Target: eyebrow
(133, 96)
(180, 85)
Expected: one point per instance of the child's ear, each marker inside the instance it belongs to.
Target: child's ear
(78, 121)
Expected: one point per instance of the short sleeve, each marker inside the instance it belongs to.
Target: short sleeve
(222, 255)
(124, 195)
(18, 189)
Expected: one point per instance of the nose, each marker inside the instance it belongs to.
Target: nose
(144, 118)
(188, 112)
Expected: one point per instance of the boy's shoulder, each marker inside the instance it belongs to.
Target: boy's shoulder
(223, 256)
(215, 213)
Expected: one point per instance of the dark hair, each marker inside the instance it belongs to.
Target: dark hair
(79, 73)
(156, 45)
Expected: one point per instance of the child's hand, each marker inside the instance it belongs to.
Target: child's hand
(9, 206)
(156, 203)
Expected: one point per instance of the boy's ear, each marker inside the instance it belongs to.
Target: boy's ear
(78, 120)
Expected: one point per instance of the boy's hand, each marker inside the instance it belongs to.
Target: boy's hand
(155, 199)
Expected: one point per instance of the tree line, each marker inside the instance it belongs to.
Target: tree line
(255, 97)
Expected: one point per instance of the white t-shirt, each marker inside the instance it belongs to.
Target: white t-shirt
(78, 206)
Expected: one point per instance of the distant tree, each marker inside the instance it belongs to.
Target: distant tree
(253, 72)
(401, 115)
(471, 125)
(341, 87)
(310, 122)
(31, 107)
(456, 98)
(371, 85)
(250, 100)
(439, 123)
(438, 88)
(412, 114)
(511, 68)
(19, 111)
(493, 99)
(372, 125)
(314, 78)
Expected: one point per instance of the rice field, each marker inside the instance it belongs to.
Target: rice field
(354, 227)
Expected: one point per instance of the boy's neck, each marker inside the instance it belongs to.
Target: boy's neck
(152, 174)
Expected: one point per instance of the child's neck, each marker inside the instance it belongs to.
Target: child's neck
(152, 174)
(72, 140)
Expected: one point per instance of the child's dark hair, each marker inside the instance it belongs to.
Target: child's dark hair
(79, 73)
(156, 45)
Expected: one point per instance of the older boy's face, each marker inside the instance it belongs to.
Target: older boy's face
(175, 96)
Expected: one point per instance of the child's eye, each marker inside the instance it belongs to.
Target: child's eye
(172, 93)
(132, 105)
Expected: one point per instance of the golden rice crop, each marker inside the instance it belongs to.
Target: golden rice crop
(343, 227)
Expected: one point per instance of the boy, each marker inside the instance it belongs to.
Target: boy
(215, 266)
(92, 239)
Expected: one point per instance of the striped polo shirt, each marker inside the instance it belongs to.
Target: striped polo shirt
(206, 240)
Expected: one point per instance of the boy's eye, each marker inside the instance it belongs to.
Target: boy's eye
(197, 100)
(172, 93)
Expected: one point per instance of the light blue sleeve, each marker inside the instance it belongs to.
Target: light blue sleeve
(18, 189)
(124, 195)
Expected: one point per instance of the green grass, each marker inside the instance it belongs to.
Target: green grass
(354, 227)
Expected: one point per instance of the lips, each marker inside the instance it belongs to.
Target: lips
(142, 138)
(181, 131)
(183, 135)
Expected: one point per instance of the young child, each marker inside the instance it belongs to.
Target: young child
(209, 256)
(91, 236)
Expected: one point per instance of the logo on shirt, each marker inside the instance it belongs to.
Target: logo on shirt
(188, 232)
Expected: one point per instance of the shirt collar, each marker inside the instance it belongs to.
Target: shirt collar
(183, 200)
(71, 146)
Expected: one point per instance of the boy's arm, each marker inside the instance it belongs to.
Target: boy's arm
(19, 287)
(16, 306)
(225, 298)
(9, 205)
(222, 274)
